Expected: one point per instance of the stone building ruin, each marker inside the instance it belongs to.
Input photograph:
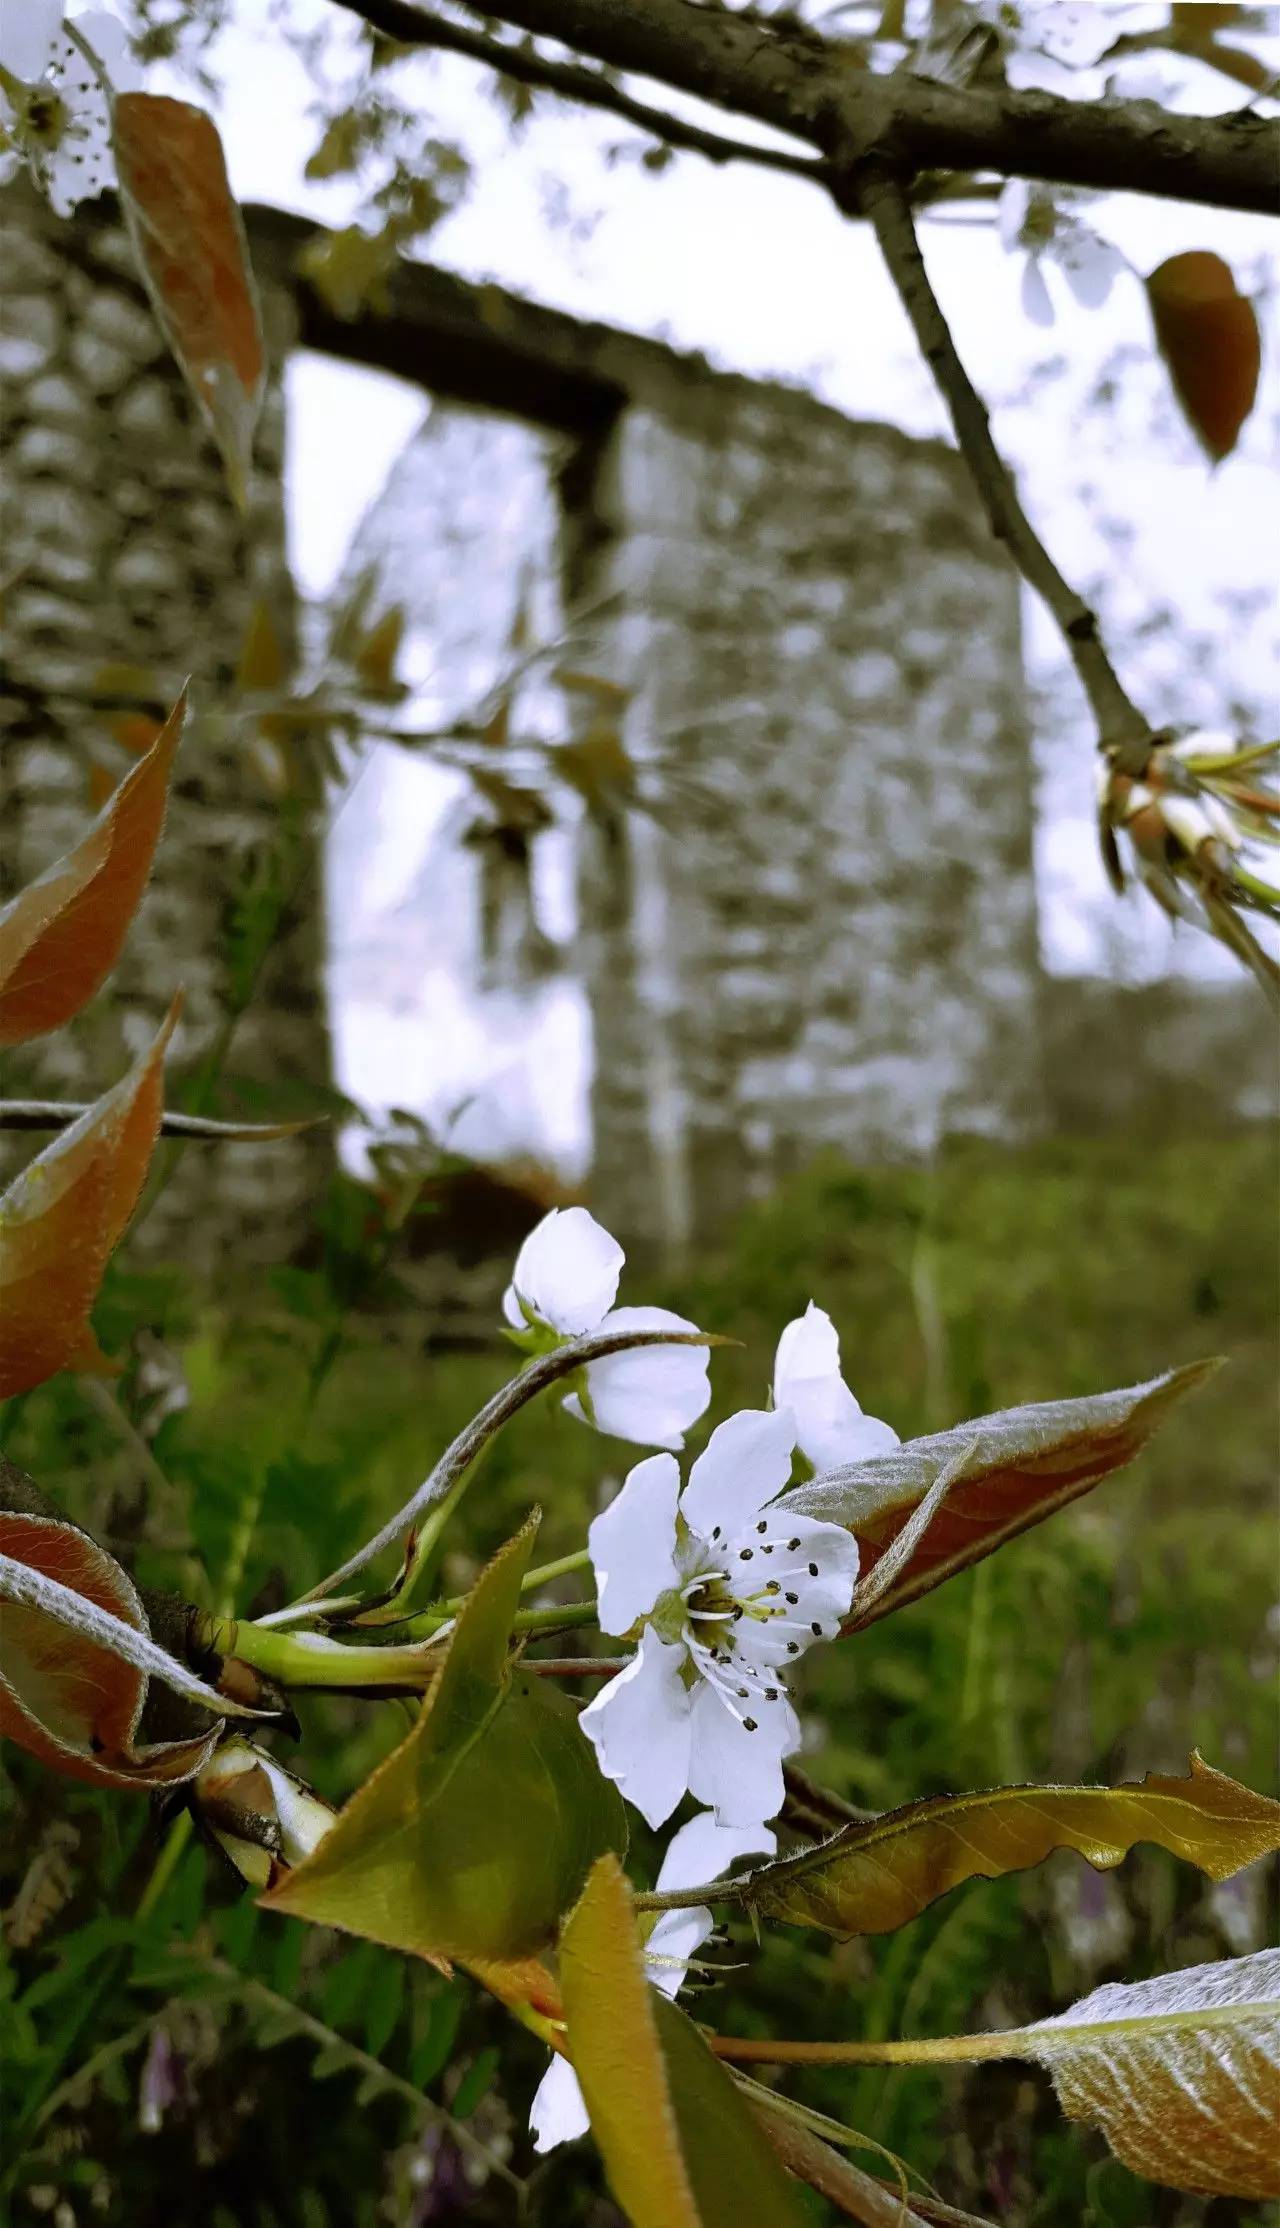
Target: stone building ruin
(824, 936)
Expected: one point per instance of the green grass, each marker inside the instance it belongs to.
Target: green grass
(1111, 1641)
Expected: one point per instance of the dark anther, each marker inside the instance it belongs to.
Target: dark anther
(750, 1724)
(746, 1554)
(813, 1570)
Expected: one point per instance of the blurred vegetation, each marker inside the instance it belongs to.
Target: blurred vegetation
(168, 2052)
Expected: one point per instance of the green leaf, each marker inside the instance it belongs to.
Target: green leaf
(431, 2055)
(475, 1835)
(873, 1877)
(1022, 1464)
(382, 2004)
(475, 2082)
(680, 2146)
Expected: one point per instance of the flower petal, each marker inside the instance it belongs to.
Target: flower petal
(639, 1728)
(1037, 302)
(512, 1310)
(677, 1937)
(831, 1428)
(651, 1394)
(109, 39)
(1011, 212)
(704, 1850)
(815, 1563)
(558, 2113)
(567, 1270)
(633, 1544)
(1089, 263)
(739, 1772)
(27, 32)
(744, 1463)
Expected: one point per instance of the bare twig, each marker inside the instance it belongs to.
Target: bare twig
(414, 26)
(814, 1809)
(789, 76)
(45, 1114)
(1122, 728)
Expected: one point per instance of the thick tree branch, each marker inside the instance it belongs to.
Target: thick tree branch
(814, 89)
(409, 25)
(1121, 726)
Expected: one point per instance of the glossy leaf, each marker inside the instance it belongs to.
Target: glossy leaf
(64, 1696)
(1181, 2073)
(190, 244)
(62, 935)
(680, 2145)
(1030, 1462)
(475, 1835)
(875, 1876)
(62, 1216)
(1207, 332)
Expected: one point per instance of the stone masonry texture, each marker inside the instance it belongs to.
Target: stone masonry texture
(835, 923)
(121, 546)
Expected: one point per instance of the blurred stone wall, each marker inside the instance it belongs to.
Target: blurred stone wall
(121, 544)
(828, 937)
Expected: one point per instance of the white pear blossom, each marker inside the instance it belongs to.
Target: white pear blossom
(702, 1850)
(55, 114)
(566, 1274)
(564, 1283)
(727, 1595)
(1047, 228)
(831, 1428)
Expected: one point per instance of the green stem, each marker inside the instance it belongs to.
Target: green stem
(440, 1612)
(563, 1568)
(311, 1659)
(563, 1619)
(929, 2050)
(460, 1456)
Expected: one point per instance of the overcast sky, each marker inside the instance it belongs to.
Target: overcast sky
(758, 271)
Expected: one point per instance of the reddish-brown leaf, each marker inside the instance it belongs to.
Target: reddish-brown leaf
(190, 243)
(74, 1704)
(1025, 1464)
(62, 935)
(1207, 332)
(62, 1216)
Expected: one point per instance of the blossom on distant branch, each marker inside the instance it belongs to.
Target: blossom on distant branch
(55, 112)
(1047, 228)
(1199, 819)
(725, 1595)
(702, 1850)
(831, 1428)
(564, 1285)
